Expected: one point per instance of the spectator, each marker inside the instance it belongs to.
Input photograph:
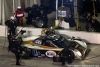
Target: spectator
(29, 18)
(44, 18)
(88, 17)
(33, 13)
(96, 25)
(88, 21)
(71, 21)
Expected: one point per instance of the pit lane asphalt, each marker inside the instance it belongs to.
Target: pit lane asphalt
(7, 59)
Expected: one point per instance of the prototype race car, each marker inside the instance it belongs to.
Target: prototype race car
(51, 45)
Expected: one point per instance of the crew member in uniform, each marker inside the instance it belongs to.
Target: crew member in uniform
(15, 47)
(50, 31)
(66, 55)
(19, 14)
(11, 26)
(44, 18)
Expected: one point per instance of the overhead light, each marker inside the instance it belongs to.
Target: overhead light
(71, 0)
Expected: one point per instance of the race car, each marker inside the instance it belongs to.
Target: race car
(51, 45)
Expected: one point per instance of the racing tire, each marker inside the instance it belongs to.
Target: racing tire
(27, 54)
(57, 59)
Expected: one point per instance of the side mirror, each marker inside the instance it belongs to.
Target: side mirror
(72, 38)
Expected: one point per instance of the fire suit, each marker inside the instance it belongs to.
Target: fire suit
(12, 25)
(67, 55)
(19, 14)
(15, 47)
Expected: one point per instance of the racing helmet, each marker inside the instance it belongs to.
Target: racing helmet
(19, 7)
(51, 28)
(12, 18)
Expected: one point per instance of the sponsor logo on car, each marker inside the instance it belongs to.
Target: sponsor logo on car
(36, 53)
(50, 53)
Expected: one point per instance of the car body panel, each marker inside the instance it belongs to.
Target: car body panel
(42, 48)
(30, 38)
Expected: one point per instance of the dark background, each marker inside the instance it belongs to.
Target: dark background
(83, 5)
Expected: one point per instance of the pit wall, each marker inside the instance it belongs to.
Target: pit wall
(88, 37)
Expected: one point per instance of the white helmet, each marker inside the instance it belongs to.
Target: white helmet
(19, 7)
(51, 28)
(12, 17)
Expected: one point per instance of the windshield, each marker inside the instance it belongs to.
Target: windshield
(62, 42)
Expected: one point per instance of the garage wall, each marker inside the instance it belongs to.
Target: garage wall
(0, 12)
(88, 37)
(8, 8)
(2, 15)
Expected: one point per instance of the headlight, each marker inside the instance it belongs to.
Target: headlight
(78, 53)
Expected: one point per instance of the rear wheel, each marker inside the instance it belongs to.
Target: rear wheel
(56, 59)
(27, 54)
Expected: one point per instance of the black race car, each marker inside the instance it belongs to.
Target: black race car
(51, 46)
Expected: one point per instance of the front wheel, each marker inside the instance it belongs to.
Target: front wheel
(86, 53)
